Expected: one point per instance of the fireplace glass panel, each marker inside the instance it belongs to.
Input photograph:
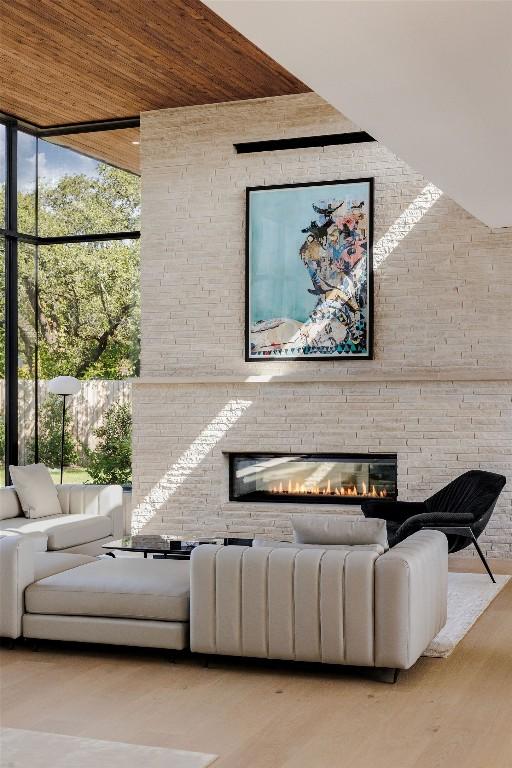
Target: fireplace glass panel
(323, 478)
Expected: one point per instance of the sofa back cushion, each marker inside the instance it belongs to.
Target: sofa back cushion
(9, 504)
(261, 542)
(36, 490)
(338, 529)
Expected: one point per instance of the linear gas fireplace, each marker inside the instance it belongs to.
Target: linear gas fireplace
(324, 478)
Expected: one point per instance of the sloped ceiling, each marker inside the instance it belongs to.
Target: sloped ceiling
(430, 80)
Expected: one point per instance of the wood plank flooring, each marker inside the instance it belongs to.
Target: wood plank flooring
(442, 713)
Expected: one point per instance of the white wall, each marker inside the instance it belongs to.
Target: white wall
(438, 391)
(420, 85)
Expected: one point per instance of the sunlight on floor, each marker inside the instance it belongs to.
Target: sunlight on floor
(428, 196)
(188, 462)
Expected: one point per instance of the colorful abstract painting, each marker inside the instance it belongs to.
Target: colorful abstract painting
(309, 271)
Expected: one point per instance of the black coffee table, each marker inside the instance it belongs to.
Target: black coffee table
(168, 547)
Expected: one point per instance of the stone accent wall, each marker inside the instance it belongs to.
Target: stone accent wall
(438, 391)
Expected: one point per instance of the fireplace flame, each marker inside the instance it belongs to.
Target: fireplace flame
(353, 490)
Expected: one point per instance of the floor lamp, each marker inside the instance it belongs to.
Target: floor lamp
(66, 386)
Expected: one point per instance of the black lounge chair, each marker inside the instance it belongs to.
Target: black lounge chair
(461, 510)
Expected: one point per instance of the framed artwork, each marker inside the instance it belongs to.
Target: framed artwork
(309, 275)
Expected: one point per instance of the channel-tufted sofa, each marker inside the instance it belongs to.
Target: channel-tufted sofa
(91, 516)
(346, 605)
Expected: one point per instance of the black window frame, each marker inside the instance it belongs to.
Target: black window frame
(12, 236)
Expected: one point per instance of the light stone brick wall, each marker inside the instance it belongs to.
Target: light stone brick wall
(438, 391)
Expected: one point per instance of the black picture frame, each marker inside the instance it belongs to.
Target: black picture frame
(369, 355)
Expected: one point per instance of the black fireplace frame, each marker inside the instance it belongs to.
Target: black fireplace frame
(284, 498)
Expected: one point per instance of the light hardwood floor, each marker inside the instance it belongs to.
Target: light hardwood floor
(444, 713)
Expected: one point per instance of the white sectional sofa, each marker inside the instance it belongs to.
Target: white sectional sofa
(91, 516)
(346, 605)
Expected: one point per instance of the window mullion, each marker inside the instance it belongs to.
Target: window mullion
(11, 299)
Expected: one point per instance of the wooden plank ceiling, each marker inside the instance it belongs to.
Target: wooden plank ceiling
(119, 147)
(68, 62)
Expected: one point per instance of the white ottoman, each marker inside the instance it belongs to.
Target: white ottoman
(122, 601)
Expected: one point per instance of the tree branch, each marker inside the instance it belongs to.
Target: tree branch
(103, 340)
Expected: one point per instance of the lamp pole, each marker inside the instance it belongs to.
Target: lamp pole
(62, 437)
(65, 386)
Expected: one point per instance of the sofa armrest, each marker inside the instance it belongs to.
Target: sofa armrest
(411, 593)
(442, 519)
(16, 573)
(94, 500)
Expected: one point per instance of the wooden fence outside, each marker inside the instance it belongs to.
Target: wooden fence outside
(86, 408)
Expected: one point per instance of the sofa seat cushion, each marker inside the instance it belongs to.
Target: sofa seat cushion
(124, 587)
(49, 563)
(65, 531)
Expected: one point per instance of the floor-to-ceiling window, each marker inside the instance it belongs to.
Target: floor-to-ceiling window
(77, 309)
(2, 303)
(2, 361)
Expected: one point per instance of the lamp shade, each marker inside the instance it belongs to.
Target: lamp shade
(64, 385)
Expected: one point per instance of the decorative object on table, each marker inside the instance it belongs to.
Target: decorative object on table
(461, 510)
(66, 386)
(309, 271)
(469, 595)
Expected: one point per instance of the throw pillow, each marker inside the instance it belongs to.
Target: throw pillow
(36, 490)
(338, 529)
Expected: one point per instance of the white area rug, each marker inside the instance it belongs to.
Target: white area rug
(21, 749)
(469, 594)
